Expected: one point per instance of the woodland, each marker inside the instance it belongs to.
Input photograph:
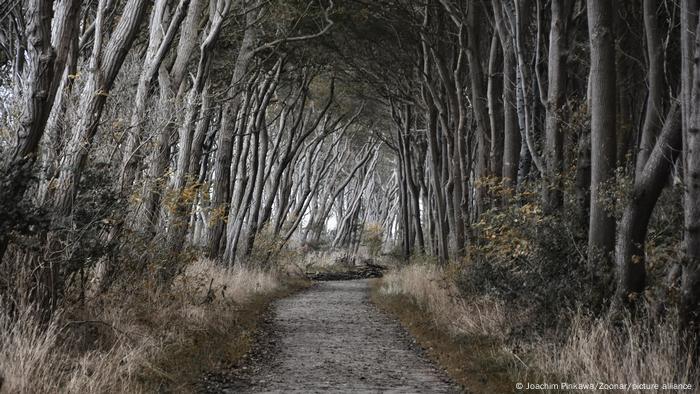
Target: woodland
(526, 172)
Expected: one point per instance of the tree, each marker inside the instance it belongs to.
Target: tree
(601, 230)
(47, 53)
(556, 92)
(690, 286)
(512, 139)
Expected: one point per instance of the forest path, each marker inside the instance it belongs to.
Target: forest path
(331, 338)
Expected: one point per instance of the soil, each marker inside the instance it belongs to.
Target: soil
(331, 338)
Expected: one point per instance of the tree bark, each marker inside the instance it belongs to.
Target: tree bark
(158, 46)
(105, 64)
(479, 100)
(512, 140)
(556, 90)
(601, 230)
(648, 185)
(222, 162)
(494, 92)
(690, 283)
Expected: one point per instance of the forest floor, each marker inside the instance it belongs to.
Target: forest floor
(332, 338)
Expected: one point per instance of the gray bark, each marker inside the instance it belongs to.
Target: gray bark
(655, 79)
(556, 93)
(222, 162)
(494, 92)
(601, 231)
(512, 137)
(690, 283)
(648, 185)
(105, 64)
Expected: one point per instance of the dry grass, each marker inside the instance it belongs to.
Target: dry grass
(601, 350)
(470, 337)
(465, 338)
(431, 288)
(138, 338)
(38, 358)
(238, 284)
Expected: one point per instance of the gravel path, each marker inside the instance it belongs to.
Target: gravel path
(331, 338)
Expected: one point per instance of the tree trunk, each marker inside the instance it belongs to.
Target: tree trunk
(556, 89)
(222, 162)
(690, 284)
(494, 92)
(601, 230)
(478, 99)
(512, 140)
(158, 45)
(48, 54)
(648, 185)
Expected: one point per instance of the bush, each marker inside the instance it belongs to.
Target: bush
(530, 261)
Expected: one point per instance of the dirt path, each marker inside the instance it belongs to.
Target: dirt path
(330, 338)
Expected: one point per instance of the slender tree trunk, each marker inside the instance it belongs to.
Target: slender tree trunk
(690, 284)
(153, 188)
(479, 101)
(512, 141)
(405, 224)
(601, 231)
(556, 89)
(655, 79)
(582, 181)
(56, 128)
(494, 92)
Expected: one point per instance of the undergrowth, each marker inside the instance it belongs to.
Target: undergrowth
(457, 335)
(482, 343)
(139, 337)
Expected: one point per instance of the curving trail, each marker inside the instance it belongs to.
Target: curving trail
(331, 338)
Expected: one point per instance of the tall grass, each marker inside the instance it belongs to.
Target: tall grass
(112, 348)
(588, 349)
(623, 351)
(238, 283)
(430, 288)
